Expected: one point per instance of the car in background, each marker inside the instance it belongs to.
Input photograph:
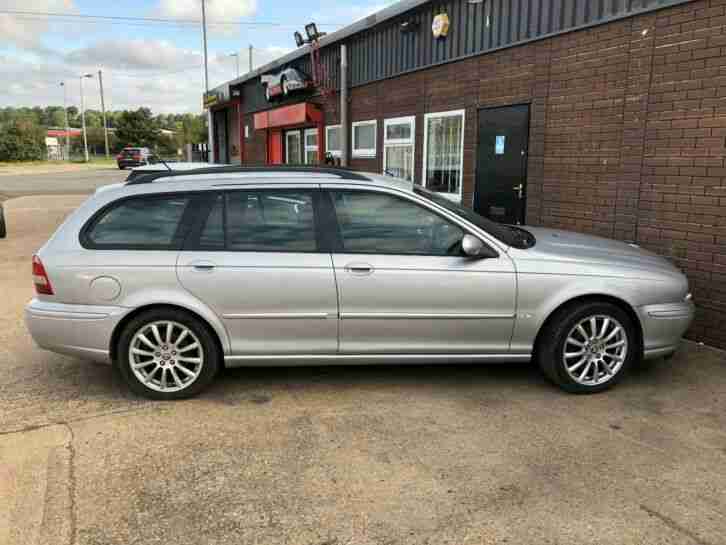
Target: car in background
(280, 85)
(134, 157)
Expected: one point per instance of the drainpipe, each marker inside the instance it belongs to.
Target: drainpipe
(343, 105)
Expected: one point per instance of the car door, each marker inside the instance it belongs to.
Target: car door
(404, 285)
(255, 259)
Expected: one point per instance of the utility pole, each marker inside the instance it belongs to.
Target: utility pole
(65, 114)
(103, 111)
(83, 118)
(250, 57)
(210, 133)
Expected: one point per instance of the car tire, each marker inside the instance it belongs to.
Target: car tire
(3, 230)
(581, 361)
(121, 167)
(167, 365)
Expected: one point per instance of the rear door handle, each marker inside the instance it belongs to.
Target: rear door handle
(360, 269)
(203, 266)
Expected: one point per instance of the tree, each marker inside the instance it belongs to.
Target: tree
(22, 140)
(137, 128)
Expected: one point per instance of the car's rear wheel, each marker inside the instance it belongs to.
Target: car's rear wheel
(588, 347)
(167, 354)
(285, 88)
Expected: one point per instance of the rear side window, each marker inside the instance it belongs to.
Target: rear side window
(261, 221)
(142, 222)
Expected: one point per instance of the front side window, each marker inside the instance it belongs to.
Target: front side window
(379, 223)
(270, 221)
(333, 144)
(143, 222)
(444, 153)
(364, 138)
(398, 147)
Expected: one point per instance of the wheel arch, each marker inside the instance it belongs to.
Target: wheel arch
(113, 348)
(588, 298)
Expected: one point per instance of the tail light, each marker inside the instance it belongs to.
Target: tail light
(119, 156)
(40, 278)
(137, 157)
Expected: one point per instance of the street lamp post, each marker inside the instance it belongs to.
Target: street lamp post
(83, 117)
(210, 134)
(65, 114)
(236, 57)
(103, 112)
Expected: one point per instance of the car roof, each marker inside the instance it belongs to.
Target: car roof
(215, 177)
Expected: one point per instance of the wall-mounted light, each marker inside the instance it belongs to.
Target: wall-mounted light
(409, 26)
(299, 40)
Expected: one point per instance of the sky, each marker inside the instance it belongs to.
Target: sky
(155, 64)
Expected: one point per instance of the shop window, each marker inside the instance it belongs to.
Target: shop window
(311, 146)
(398, 147)
(443, 162)
(364, 138)
(292, 148)
(333, 140)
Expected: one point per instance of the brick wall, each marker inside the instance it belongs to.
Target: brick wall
(627, 134)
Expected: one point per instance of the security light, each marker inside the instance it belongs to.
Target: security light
(299, 39)
(311, 29)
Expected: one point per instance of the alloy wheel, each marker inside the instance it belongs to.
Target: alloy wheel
(595, 350)
(166, 356)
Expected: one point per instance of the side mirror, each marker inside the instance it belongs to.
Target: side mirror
(473, 247)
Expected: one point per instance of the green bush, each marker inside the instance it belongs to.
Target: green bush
(22, 140)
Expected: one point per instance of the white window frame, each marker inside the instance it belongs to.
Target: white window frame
(287, 146)
(394, 142)
(307, 148)
(368, 152)
(456, 197)
(339, 152)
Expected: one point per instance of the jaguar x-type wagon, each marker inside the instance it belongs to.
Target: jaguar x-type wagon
(174, 275)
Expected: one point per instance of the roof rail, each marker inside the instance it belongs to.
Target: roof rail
(342, 173)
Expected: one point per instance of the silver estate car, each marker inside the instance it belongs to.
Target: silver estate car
(172, 276)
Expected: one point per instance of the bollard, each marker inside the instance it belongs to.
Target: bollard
(3, 232)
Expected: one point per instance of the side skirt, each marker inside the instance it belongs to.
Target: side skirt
(365, 359)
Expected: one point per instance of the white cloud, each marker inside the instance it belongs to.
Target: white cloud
(152, 73)
(216, 10)
(134, 54)
(27, 31)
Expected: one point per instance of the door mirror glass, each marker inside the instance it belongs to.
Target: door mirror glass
(473, 247)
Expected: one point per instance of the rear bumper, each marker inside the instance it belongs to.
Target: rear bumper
(82, 331)
(130, 163)
(664, 326)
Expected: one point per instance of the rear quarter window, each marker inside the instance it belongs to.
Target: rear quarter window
(138, 223)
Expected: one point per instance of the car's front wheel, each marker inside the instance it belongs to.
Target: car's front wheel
(167, 354)
(588, 347)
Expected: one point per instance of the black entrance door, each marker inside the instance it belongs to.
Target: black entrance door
(501, 168)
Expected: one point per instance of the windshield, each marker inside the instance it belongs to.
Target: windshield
(509, 235)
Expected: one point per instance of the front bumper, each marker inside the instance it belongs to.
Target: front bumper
(82, 331)
(664, 326)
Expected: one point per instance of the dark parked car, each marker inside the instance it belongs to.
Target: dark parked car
(134, 157)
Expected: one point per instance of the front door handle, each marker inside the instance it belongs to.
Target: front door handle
(360, 269)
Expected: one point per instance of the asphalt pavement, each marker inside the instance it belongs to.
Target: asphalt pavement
(65, 183)
(415, 455)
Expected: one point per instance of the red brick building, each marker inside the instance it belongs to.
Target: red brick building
(605, 117)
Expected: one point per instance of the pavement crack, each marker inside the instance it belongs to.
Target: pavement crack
(72, 485)
(674, 525)
(34, 427)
